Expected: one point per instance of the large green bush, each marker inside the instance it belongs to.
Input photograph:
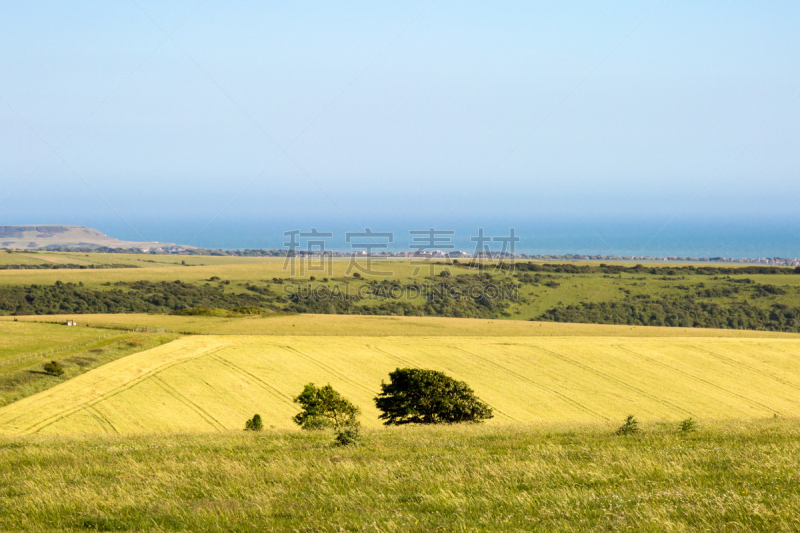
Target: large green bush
(416, 396)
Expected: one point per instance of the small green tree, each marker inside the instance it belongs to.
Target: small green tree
(417, 396)
(323, 407)
(254, 424)
(53, 368)
(630, 426)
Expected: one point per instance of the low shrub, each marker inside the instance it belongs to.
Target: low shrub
(250, 310)
(53, 368)
(688, 425)
(207, 311)
(630, 426)
(254, 424)
(348, 436)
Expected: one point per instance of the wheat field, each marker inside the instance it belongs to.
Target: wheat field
(214, 383)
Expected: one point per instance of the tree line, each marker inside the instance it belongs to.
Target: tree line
(683, 311)
(137, 297)
(603, 268)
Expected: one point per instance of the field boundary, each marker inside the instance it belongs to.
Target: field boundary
(20, 358)
(136, 329)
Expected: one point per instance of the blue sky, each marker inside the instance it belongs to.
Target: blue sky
(426, 111)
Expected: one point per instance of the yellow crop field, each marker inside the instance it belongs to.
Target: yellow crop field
(213, 383)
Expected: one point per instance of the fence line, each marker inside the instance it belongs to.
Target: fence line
(146, 329)
(21, 358)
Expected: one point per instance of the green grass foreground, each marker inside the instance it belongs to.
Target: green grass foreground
(731, 476)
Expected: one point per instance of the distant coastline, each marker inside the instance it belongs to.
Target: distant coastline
(65, 238)
(173, 249)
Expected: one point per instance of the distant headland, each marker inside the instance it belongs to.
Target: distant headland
(63, 237)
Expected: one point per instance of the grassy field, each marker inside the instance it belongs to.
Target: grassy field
(654, 295)
(22, 337)
(26, 378)
(360, 325)
(167, 268)
(140, 260)
(214, 383)
(25, 346)
(198, 269)
(731, 477)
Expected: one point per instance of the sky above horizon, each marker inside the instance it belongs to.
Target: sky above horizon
(426, 111)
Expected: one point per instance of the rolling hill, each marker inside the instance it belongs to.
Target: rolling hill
(214, 383)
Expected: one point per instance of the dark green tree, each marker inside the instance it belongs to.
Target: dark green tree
(416, 396)
(324, 407)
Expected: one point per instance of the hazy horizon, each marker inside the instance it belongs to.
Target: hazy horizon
(150, 120)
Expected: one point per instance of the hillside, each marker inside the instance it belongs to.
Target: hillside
(678, 296)
(54, 236)
(213, 383)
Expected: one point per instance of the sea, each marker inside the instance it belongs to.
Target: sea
(701, 237)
